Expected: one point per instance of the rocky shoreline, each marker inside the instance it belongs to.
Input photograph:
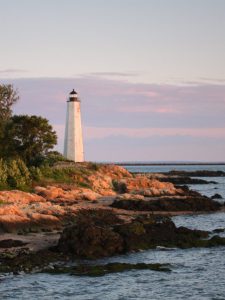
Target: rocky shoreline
(115, 213)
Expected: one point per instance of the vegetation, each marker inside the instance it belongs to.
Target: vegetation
(101, 270)
(67, 173)
(26, 144)
(26, 155)
(29, 138)
(8, 97)
(14, 174)
(23, 137)
(119, 187)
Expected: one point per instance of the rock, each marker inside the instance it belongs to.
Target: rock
(92, 235)
(127, 196)
(26, 261)
(58, 194)
(10, 243)
(13, 223)
(97, 234)
(89, 195)
(43, 221)
(198, 173)
(185, 203)
(184, 180)
(19, 197)
(101, 270)
(102, 180)
(142, 185)
(218, 230)
(50, 192)
(217, 196)
(11, 210)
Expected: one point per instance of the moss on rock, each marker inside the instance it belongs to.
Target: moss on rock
(101, 270)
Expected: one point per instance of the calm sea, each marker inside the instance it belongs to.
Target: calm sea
(196, 273)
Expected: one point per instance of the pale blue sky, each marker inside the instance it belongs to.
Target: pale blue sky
(150, 73)
(159, 40)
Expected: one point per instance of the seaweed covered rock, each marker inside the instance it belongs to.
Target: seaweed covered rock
(176, 203)
(100, 233)
(10, 243)
(184, 180)
(198, 173)
(101, 270)
(92, 235)
(217, 196)
(150, 231)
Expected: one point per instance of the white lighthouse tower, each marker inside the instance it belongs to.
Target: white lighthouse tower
(73, 144)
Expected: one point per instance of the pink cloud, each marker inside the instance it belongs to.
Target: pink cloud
(147, 109)
(98, 132)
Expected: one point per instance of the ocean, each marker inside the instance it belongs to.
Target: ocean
(196, 273)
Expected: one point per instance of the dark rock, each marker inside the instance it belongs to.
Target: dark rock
(9, 243)
(100, 233)
(184, 180)
(86, 239)
(199, 173)
(194, 204)
(100, 270)
(26, 261)
(217, 196)
(219, 230)
(119, 186)
(92, 235)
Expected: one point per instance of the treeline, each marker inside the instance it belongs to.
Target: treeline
(26, 144)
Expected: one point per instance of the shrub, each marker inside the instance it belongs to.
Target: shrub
(3, 173)
(93, 166)
(35, 173)
(18, 175)
(119, 186)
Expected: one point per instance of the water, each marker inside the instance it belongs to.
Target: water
(164, 168)
(196, 273)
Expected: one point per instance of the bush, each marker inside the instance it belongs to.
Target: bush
(14, 174)
(36, 173)
(119, 187)
(49, 159)
(53, 157)
(18, 175)
(93, 166)
(3, 173)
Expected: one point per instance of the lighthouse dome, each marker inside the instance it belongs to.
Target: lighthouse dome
(73, 92)
(73, 96)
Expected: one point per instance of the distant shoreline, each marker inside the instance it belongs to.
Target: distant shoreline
(170, 164)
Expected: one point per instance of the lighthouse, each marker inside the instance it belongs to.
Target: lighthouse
(73, 144)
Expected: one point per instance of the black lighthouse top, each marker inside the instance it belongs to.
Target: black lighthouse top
(73, 96)
(73, 92)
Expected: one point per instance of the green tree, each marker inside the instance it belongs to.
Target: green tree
(29, 138)
(8, 97)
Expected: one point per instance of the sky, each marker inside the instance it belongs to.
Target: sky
(150, 73)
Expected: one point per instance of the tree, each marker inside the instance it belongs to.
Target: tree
(8, 97)
(29, 138)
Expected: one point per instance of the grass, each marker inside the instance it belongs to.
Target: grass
(60, 173)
